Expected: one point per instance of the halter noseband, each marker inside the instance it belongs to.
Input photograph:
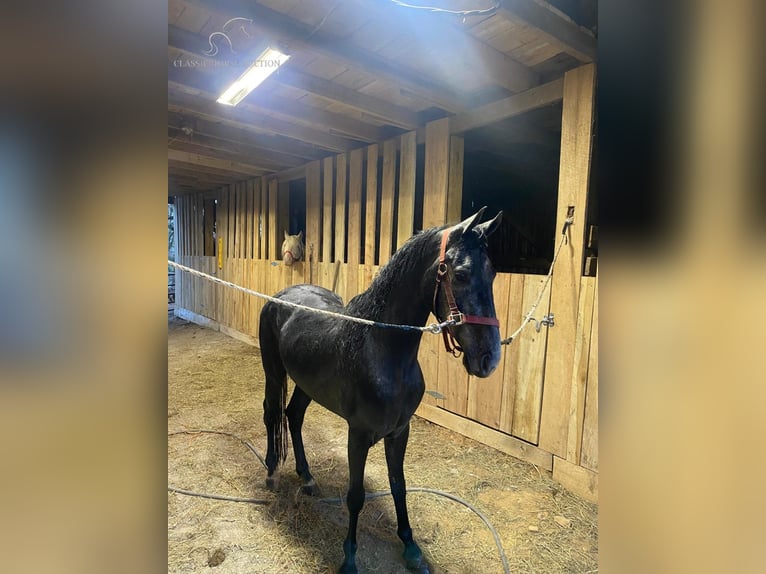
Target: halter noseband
(442, 278)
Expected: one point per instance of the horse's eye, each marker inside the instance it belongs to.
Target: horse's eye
(461, 276)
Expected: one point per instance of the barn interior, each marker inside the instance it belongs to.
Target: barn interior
(390, 117)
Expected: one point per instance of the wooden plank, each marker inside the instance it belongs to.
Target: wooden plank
(327, 200)
(257, 253)
(264, 219)
(283, 217)
(274, 243)
(580, 370)
(537, 97)
(485, 435)
(436, 173)
(341, 175)
(515, 316)
(406, 212)
(387, 198)
(557, 29)
(239, 240)
(209, 220)
(214, 163)
(455, 184)
(252, 222)
(485, 395)
(531, 364)
(356, 164)
(574, 178)
(371, 205)
(589, 452)
(577, 479)
(313, 202)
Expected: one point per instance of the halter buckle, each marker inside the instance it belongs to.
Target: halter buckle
(456, 318)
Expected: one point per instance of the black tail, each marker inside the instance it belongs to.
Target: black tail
(275, 400)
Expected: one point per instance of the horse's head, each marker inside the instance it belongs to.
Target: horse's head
(464, 285)
(292, 248)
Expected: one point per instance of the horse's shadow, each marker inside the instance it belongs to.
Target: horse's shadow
(315, 524)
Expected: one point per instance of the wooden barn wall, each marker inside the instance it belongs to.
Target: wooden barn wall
(541, 404)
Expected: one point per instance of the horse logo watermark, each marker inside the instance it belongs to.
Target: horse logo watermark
(224, 35)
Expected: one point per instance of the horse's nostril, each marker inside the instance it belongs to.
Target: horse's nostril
(486, 361)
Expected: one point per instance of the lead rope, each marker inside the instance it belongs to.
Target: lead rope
(529, 316)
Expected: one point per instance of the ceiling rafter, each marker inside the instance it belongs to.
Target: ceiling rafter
(442, 33)
(299, 36)
(559, 29)
(203, 85)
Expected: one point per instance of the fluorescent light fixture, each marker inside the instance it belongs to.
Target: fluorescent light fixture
(265, 65)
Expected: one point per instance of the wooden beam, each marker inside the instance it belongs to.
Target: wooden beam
(313, 210)
(341, 177)
(204, 104)
(574, 178)
(515, 105)
(203, 85)
(372, 205)
(486, 435)
(198, 146)
(577, 479)
(327, 205)
(212, 162)
(406, 211)
(436, 173)
(369, 105)
(454, 44)
(274, 147)
(301, 36)
(558, 29)
(387, 198)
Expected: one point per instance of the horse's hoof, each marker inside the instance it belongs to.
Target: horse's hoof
(272, 482)
(310, 488)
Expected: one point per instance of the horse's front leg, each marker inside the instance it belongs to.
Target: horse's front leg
(359, 444)
(395, 449)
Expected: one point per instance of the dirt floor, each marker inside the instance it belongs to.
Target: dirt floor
(215, 382)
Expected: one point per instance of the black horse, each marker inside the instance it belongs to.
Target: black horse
(370, 375)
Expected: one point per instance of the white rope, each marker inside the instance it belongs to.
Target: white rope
(529, 316)
(434, 328)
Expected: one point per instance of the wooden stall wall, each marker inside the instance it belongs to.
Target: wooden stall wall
(541, 404)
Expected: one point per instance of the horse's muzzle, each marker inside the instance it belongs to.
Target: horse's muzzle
(482, 366)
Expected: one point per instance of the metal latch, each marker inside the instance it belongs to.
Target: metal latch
(547, 321)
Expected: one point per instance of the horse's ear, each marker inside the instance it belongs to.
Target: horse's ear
(300, 235)
(286, 235)
(488, 228)
(468, 224)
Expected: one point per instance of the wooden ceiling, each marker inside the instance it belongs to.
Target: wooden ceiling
(360, 71)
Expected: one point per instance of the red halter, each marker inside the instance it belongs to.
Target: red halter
(442, 277)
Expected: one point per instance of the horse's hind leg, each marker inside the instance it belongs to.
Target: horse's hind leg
(395, 449)
(296, 410)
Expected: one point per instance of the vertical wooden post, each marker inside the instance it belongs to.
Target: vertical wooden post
(371, 207)
(574, 175)
(406, 213)
(340, 207)
(264, 219)
(313, 219)
(435, 213)
(356, 160)
(283, 217)
(327, 201)
(274, 243)
(257, 217)
(455, 184)
(436, 173)
(387, 197)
